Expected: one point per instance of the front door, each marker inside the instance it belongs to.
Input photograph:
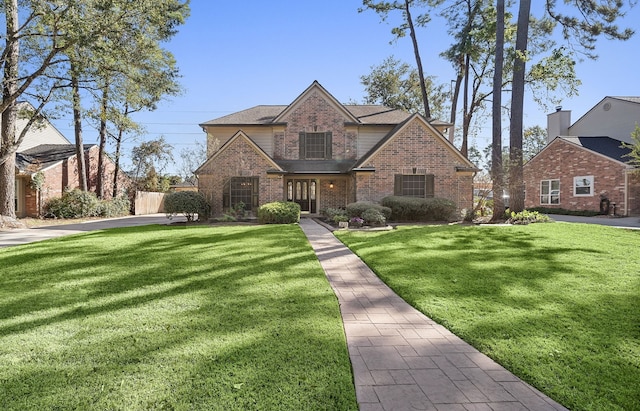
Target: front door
(303, 192)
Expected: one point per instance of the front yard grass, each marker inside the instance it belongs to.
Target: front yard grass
(557, 304)
(173, 318)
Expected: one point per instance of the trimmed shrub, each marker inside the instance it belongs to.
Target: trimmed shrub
(419, 209)
(373, 217)
(330, 214)
(528, 217)
(358, 208)
(73, 204)
(279, 212)
(563, 211)
(116, 207)
(188, 203)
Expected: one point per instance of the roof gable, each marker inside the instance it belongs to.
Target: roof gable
(240, 135)
(607, 101)
(606, 146)
(603, 146)
(316, 87)
(398, 130)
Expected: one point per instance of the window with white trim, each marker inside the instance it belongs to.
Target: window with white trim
(550, 192)
(583, 186)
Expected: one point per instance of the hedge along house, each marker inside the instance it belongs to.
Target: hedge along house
(584, 166)
(320, 153)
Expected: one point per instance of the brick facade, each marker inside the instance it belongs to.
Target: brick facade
(239, 159)
(414, 145)
(64, 175)
(417, 147)
(562, 160)
(313, 114)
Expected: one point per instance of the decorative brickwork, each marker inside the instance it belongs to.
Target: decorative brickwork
(562, 160)
(417, 146)
(239, 159)
(316, 114)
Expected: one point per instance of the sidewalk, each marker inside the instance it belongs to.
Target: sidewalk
(401, 359)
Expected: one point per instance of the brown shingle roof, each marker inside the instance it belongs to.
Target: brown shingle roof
(262, 115)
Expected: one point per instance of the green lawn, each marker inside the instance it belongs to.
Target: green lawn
(172, 318)
(558, 304)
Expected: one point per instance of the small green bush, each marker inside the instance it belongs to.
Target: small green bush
(329, 213)
(419, 209)
(527, 217)
(188, 203)
(115, 207)
(358, 208)
(280, 212)
(563, 211)
(373, 217)
(73, 204)
(226, 218)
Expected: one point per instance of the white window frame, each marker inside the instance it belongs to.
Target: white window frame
(579, 185)
(551, 193)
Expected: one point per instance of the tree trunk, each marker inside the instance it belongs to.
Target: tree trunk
(466, 112)
(496, 143)
(516, 179)
(103, 142)
(9, 114)
(454, 104)
(77, 122)
(423, 86)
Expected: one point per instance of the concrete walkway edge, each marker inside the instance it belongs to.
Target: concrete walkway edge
(401, 359)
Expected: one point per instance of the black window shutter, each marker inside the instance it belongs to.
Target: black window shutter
(397, 185)
(301, 138)
(328, 141)
(429, 185)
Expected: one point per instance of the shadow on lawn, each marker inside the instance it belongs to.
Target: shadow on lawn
(224, 311)
(528, 291)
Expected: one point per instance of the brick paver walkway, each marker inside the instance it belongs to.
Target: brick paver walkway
(402, 360)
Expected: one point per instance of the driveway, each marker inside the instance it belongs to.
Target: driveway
(29, 235)
(623, 222)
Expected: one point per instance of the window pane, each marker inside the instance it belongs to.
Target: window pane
(583, 185)
(315, 146)
(550, 192)
(312, 190)
(544, 187)
(290, 190)
(241, 190)
(413, 185)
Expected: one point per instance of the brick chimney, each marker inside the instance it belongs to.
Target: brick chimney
(558, 123)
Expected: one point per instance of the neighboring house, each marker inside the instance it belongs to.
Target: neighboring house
(320, 153)
(44, 149)
(584, 166)
(59, 167)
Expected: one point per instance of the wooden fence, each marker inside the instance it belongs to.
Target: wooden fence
(149, 203)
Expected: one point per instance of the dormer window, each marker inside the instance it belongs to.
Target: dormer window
(315, 146)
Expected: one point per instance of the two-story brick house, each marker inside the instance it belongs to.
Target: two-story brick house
(584, 165)
(321, 153)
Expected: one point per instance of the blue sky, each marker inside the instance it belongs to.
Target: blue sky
(234, 55)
